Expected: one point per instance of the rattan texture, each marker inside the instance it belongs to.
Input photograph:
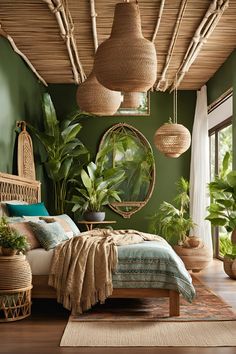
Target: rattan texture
(131, 100)
(15, 273)
(126, 62)
(172, 139)
(19, 188)
(94, 98)
(15, 305)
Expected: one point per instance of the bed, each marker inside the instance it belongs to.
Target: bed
(22, 189)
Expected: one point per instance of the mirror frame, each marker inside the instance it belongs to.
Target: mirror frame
(137, 205)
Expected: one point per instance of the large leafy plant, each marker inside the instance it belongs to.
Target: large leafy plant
(99, 188)
(222, 210)
(66, 154)
(172, 221)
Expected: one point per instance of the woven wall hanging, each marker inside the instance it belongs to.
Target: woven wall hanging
(25, 155)
(126, 61)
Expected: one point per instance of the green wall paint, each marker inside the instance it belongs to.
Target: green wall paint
(224, 79)
(167, 170)
(20, 99)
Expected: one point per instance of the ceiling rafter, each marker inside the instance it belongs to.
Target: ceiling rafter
(64, 19)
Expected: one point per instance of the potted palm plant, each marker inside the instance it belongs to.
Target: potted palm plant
(98, 189)
(173, 222)
(11, 242)
(222, 210)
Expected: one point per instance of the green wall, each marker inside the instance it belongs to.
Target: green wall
(224, 79)
(20, 99)
(167, 170)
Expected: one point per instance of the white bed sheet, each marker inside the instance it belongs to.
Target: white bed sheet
(40, 260)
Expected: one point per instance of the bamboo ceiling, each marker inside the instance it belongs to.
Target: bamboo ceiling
(58, 37)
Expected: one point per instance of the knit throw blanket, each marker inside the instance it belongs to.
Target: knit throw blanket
(81, 269)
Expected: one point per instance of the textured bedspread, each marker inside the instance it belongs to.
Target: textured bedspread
(152, 265)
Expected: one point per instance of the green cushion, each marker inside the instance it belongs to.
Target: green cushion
(48, 235)
(37, 209)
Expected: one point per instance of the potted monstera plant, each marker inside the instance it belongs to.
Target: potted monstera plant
(11, 242)
(173, 222)
(98, 189)
(222, 210)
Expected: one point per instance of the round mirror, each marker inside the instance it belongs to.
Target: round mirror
(123, 146)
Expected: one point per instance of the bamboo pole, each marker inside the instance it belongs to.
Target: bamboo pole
(61, 11)
(94, 24)
(21, 54)
(204, 30)
(158, 20)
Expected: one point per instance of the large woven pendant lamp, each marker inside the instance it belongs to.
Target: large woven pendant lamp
(94, 98)
(172, 139)
(126, 61)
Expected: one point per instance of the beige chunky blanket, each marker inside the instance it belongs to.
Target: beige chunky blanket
(81, 269)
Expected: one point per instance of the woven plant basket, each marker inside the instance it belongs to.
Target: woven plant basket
(15, 273)
(172, 139)
(230, 267)
(15, 288)
(94, 98)
(196, 258)
(132, 100)
(126, 61)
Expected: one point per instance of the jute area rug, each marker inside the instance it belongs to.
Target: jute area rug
(207, 322)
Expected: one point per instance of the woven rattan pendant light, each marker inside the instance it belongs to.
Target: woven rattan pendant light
(94, 98)
(172, 139)
(91, 96)
(126, 61)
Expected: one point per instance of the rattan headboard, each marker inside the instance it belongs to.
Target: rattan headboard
(19, 188)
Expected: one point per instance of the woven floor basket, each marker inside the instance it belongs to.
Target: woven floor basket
(172, 139)
(230, 267)
(15, 288)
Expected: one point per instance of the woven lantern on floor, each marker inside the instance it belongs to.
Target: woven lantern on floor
(126, 61)
(132, 100)
(96, 99)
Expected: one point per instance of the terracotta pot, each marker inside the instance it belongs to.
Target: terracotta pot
(230, 267)
(194, 241)
(8, 251)
(194, 259)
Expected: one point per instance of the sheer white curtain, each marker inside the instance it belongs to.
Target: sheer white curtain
(199, 170)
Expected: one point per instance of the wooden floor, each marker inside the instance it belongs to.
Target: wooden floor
(41, 333)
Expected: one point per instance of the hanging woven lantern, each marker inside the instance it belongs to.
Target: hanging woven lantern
(172, 139)
(132, 100)
(94, 98)
(126, 61)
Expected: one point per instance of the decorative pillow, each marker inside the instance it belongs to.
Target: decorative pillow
(24, 229)
(66, 222)
(66, 227)
(30, 209)
(48, 235)
(3, 206)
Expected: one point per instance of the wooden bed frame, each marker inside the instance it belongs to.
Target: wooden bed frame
(19, 188)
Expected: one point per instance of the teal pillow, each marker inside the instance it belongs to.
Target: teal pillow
(49, 235)
(37, 209)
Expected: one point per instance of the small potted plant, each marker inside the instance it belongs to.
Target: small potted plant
(222, 210)
(99, 189)
(11, 242)
(173, 222)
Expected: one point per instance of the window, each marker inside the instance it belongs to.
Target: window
(220, 139)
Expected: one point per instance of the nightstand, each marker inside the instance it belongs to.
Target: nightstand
(90, 224)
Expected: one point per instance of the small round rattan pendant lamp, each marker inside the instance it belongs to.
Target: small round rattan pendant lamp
(94, 98)
(172, 139)
(126, 61)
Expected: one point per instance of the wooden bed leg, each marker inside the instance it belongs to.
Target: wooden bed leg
(174, 303)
